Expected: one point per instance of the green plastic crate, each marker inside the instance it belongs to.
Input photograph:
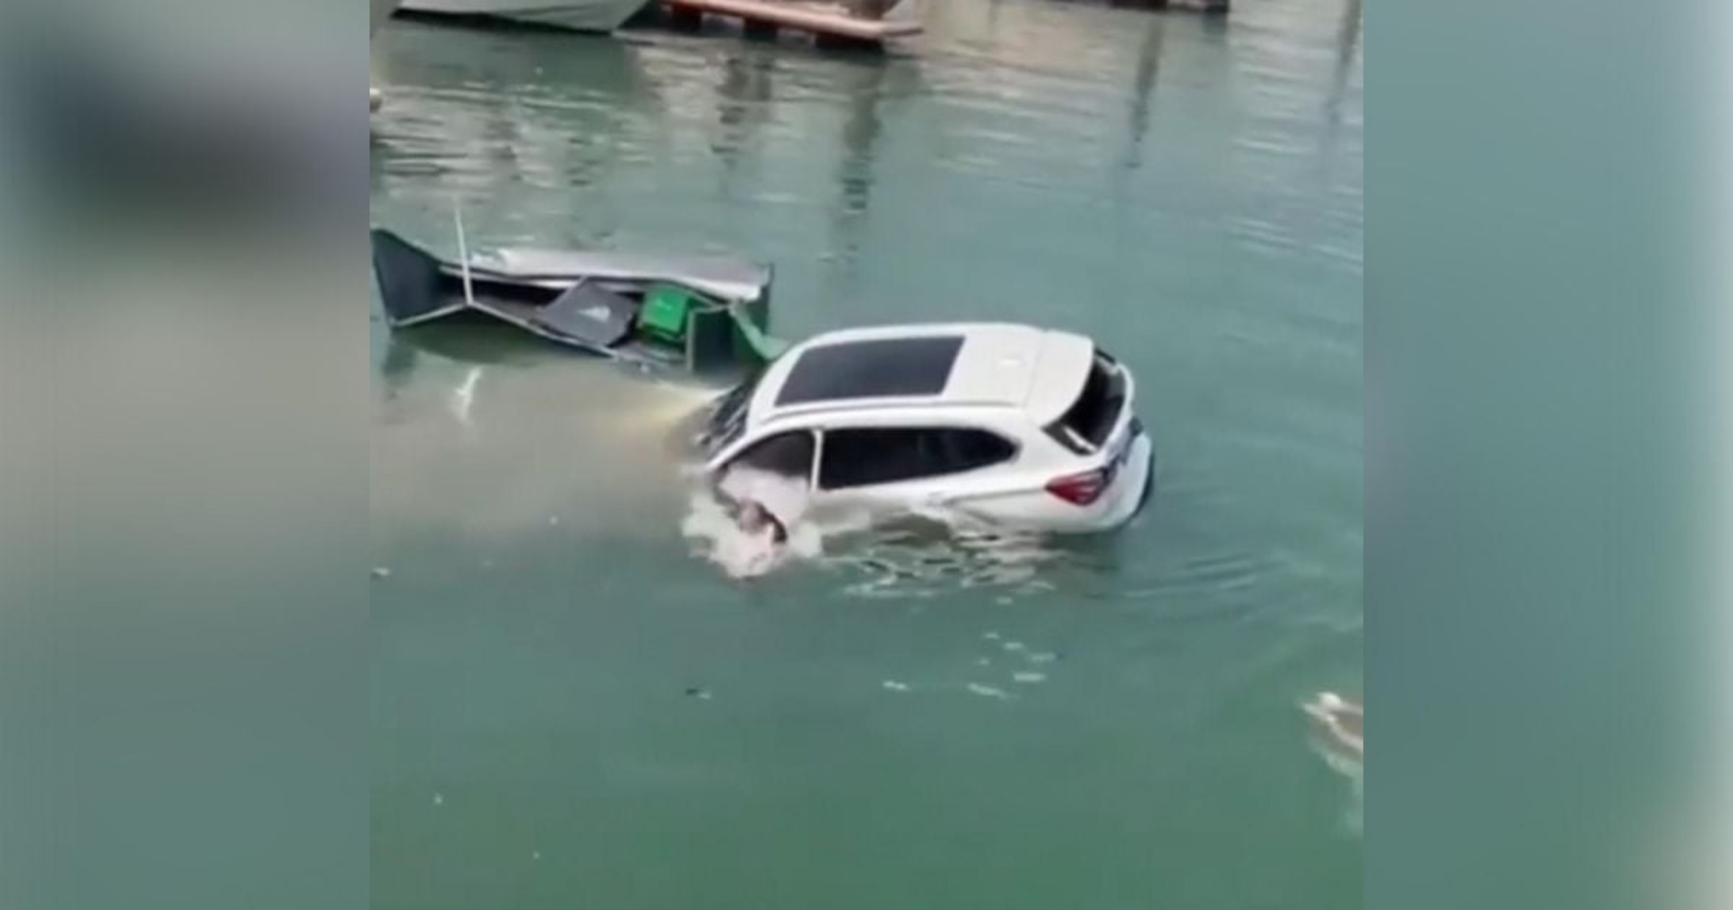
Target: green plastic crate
(666, 312)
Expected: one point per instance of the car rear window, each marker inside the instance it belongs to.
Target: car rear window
(868, 457)
(1092, 417)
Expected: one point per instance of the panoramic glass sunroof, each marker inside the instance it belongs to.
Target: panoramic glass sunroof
(888, 368)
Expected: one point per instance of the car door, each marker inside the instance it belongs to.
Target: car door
(906, 468)
(776, 472)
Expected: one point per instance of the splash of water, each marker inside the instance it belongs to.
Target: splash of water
(911, 554)
(740, 552)
(1338, 737)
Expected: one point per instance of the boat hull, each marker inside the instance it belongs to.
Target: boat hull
(600, 16)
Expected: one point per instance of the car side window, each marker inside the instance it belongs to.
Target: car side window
(968, 450)
(869, 457)
(788, 454)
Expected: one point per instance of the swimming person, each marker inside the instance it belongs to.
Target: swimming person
(758, 547)
(764, 506)
(754, 518)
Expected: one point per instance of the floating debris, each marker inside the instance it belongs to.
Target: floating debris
(1027, 677)
(439, 799)
(698, 692)
(988, 691)
(381, 572)
(983, 661)
(536, 855)
(990, 636)
(1042, 657)
(553, 521)
(1004, 601)
(895, 686)
(1015, 646)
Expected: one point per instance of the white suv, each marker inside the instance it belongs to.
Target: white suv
(1011, 424)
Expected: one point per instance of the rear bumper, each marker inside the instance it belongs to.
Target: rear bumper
(1148, 486)
(1135, 485)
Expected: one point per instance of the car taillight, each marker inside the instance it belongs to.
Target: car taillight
(1080, 489)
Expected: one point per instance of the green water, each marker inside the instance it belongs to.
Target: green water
(1189, 191)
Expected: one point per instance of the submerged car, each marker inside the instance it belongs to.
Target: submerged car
(1010, 424)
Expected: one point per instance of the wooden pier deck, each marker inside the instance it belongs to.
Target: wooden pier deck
(828, 23)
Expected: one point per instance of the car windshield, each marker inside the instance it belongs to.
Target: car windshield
(1092, 417)
(728, 420)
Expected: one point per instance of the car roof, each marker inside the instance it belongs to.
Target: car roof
(945, 364)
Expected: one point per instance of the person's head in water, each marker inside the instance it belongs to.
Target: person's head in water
(754, 518)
